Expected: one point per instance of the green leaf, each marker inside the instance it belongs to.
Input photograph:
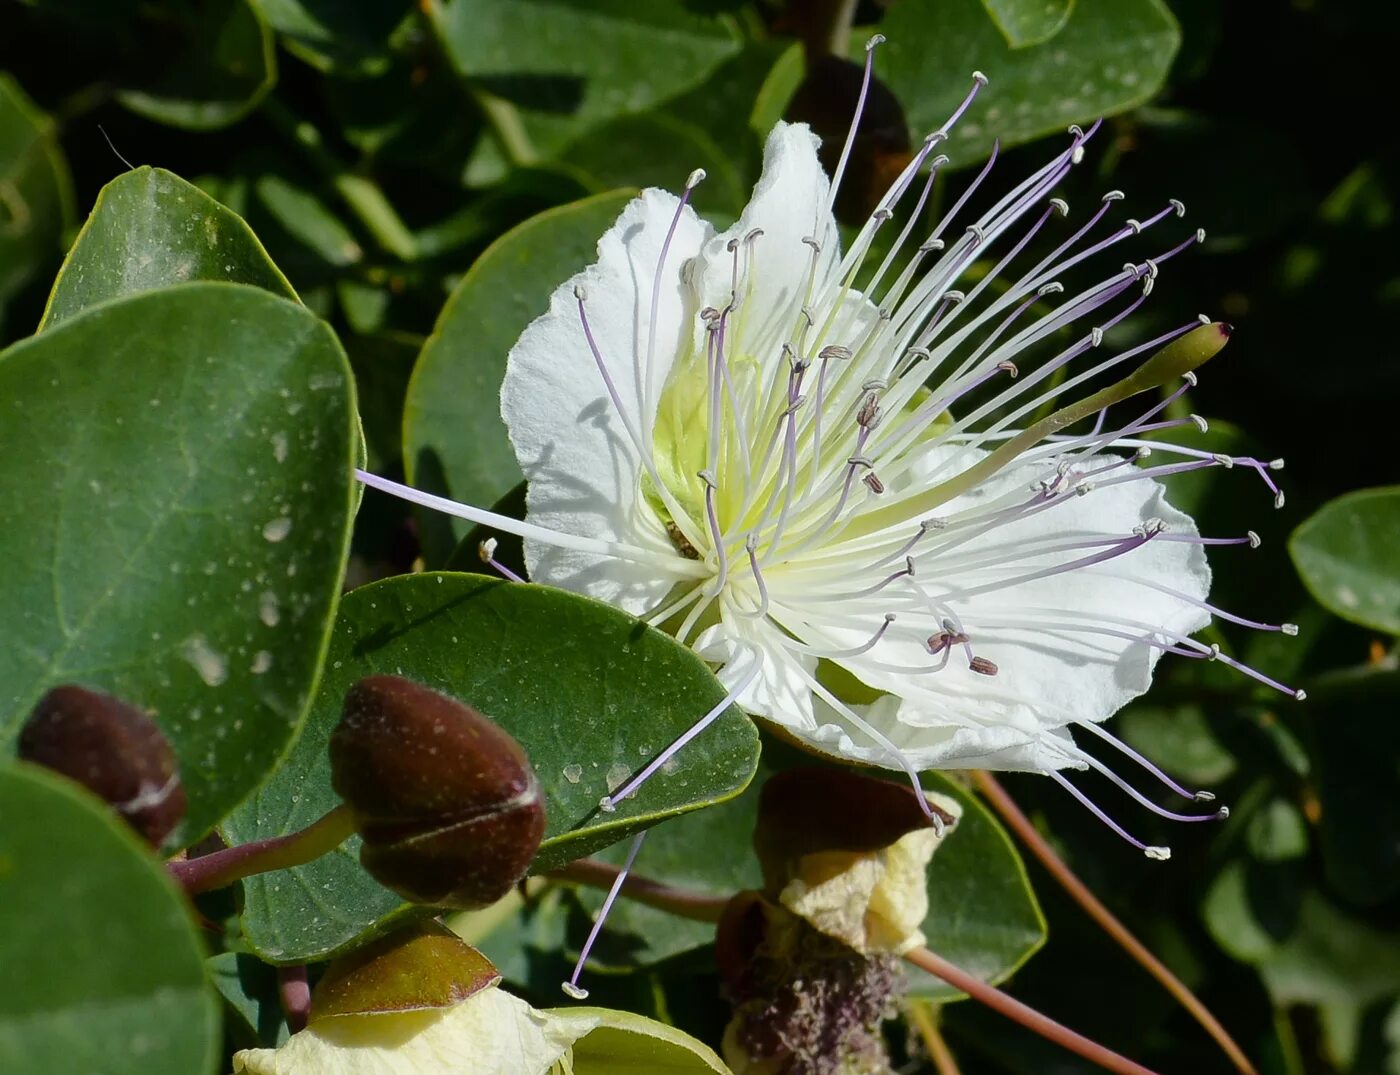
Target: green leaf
(657, 150)
(150, 229)
(983, 914)
(1028, 22)
(454, 441)
(330, 36)
(1348, 554)
(1110, 56)
(554, 69)
(222, 65)
(110, 970)
(185, 551)
(36, 195)
(588, 691)
(1179, 739)
(252, 1004)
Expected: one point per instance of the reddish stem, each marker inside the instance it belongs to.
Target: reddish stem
(208, 872)
(1004, 805)
(1027, 1016)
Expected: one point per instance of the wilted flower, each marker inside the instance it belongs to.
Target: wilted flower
(423, 1002)
(887, 496)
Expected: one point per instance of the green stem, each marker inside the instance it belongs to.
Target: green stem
(363, 197)
(208, 872)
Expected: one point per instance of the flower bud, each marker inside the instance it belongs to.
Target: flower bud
(114, 750)
(849, 853)
(445, 801)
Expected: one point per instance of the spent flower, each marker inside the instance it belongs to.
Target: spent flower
(905, 507)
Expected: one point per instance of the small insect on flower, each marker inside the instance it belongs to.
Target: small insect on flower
(914, 524)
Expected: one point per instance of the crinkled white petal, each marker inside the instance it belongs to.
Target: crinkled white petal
(582, 467)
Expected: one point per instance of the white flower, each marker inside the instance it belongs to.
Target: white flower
(851, 500)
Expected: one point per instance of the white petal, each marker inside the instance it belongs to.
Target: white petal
(581, 464)
(1046, 679)
(780, 691)
(789, 204)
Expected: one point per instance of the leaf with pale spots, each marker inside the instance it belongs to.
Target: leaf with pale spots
(587, 690)
(178, 467)
(1348, 554)
(1028, 22)
(1109, 56)
(151, 229)
(109, 960)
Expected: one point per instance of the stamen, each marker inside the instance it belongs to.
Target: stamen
(571, 987)
(1158, 854)
(487, 551)
(608, 803)
(1219, 815)
(1124, 748)
(870, 47)
(676, 565)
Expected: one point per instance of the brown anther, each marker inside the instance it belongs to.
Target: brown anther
(873, 482)
(834, 350)
(679, 540)
(937, 643)
(983, 667)
(868, 417)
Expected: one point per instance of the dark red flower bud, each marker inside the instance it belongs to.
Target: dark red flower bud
(114, 750)
(445, 801)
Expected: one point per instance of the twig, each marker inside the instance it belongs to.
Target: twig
(1079, 892)
(1027, 1016)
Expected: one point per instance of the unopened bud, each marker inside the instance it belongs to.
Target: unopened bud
(445, 801)
(114, 750)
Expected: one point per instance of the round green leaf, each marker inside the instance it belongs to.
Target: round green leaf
(107, 966)
(36, 196)
(588, 691)
(454, 440)
(150, 229)
(1348, 554)
(181, 463)
(1109, 56)
(221, 65)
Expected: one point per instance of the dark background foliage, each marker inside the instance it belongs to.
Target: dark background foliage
(375, 166)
